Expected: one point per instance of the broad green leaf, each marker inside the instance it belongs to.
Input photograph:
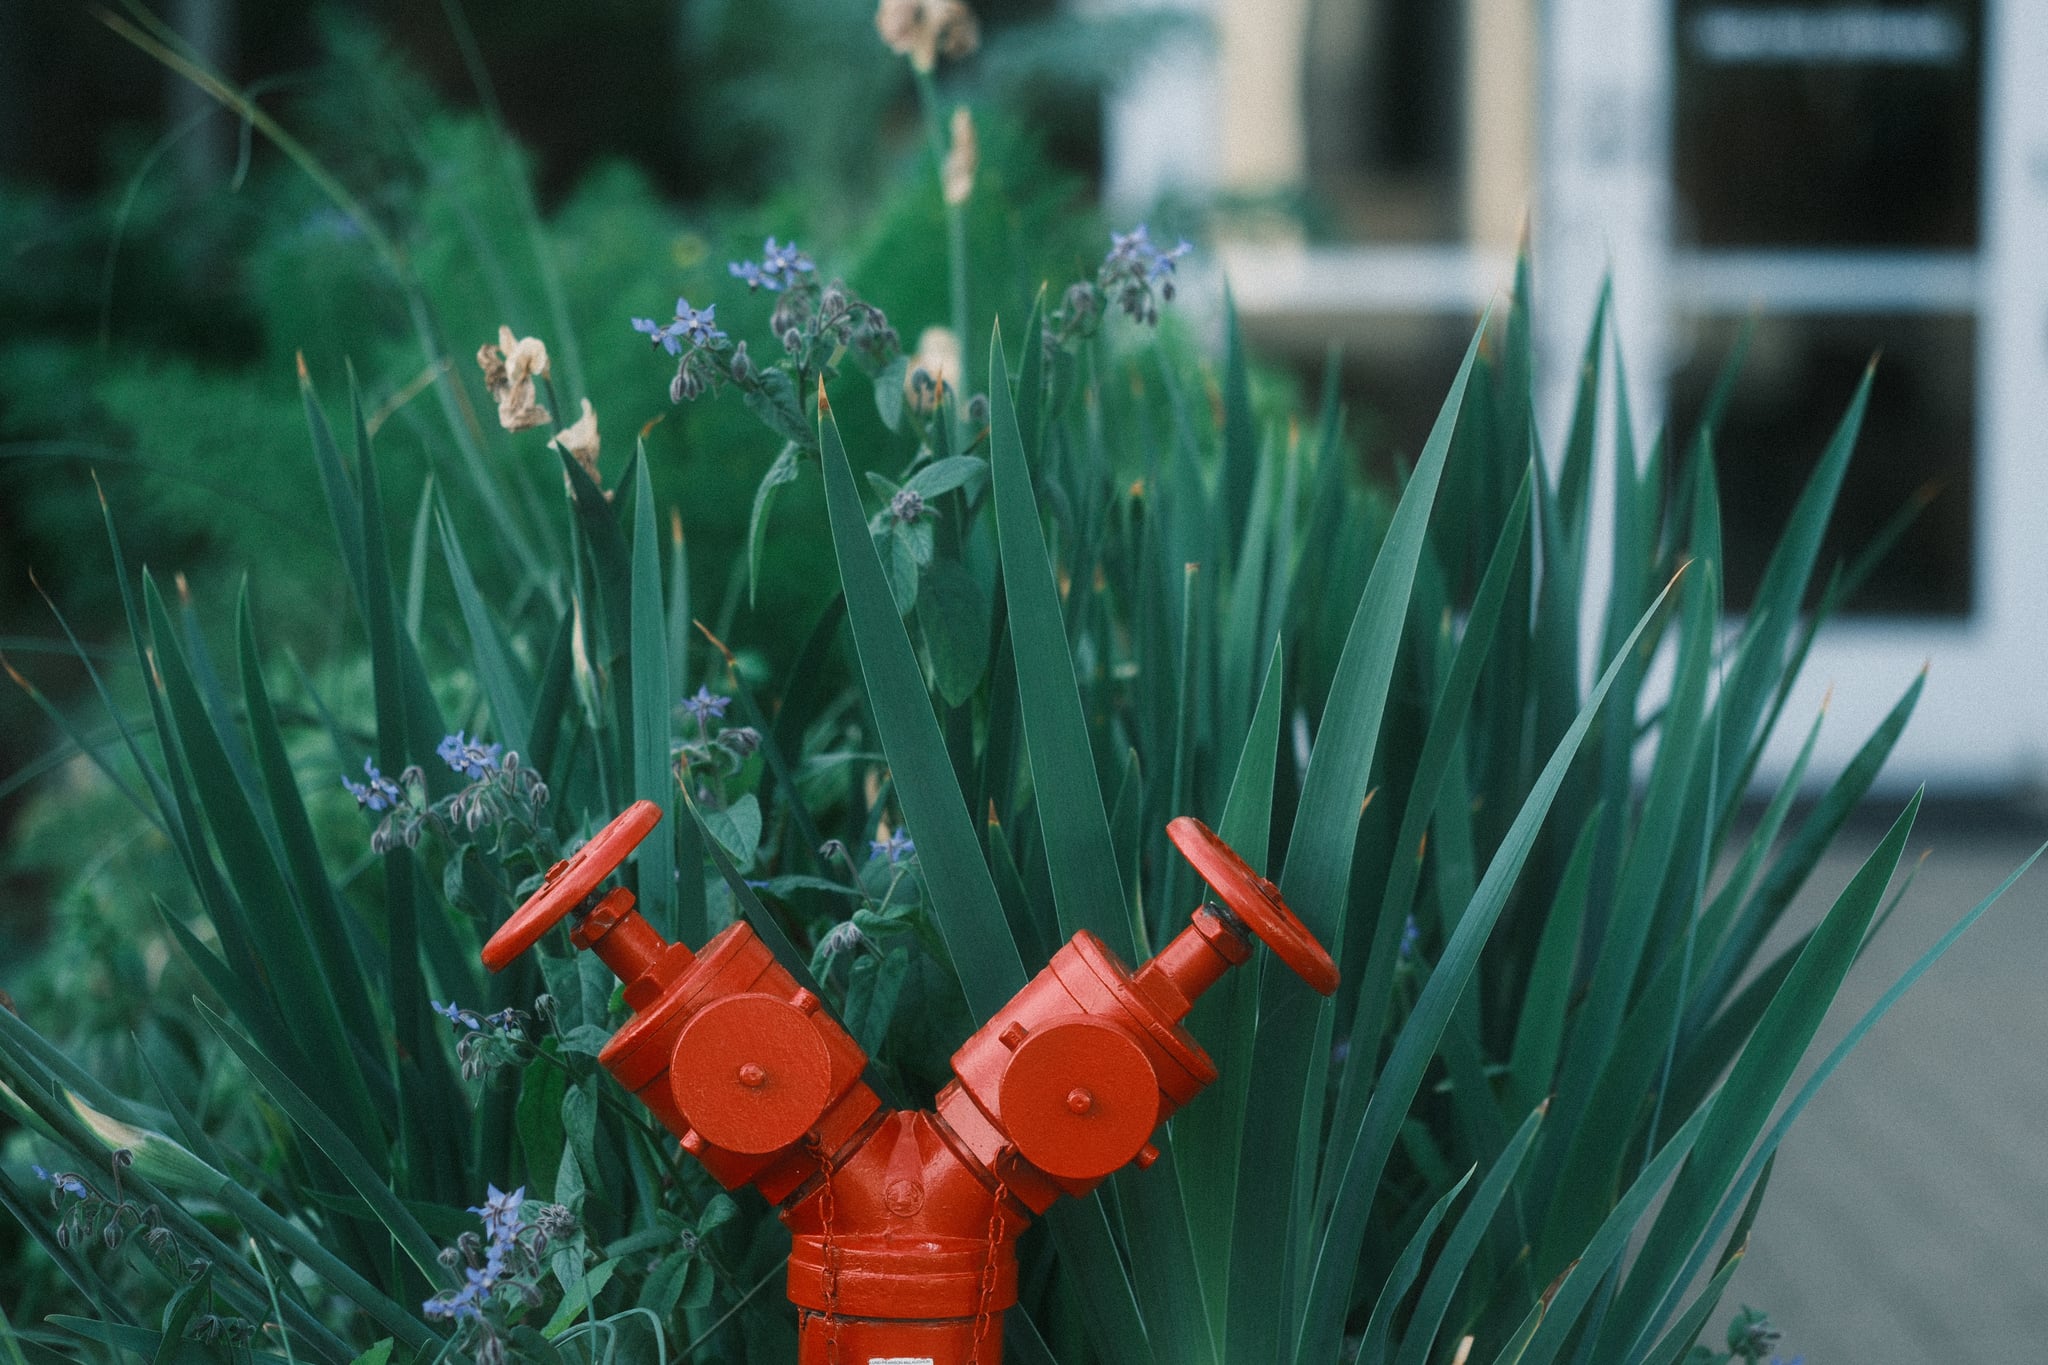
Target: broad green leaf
(784, 470)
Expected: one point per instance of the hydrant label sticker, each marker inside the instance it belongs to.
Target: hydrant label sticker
(900, 1360)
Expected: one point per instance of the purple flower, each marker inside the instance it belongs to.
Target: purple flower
(1411, 934)
(472, 758)
(897, 846)
(380, 793)
(63, 1180)
(706, 705)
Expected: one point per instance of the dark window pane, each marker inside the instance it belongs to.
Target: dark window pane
(1918, 435)
(1384, 86)
(1828, 124)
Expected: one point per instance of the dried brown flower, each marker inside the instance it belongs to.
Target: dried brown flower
(923, 30)
(963, 158)
(510, 368)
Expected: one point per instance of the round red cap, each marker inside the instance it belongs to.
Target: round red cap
(1078, 1098)
(750, 1073)
(570, 883)
(1255, 901)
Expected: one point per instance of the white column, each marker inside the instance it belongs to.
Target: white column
(1603, 203)
(1162, 129)
(2012, 385)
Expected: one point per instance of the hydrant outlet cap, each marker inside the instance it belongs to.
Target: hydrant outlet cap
(569, 884)
(1079, 1099)
(751, 1073)
(1255, 901)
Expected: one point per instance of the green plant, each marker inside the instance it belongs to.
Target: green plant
(1109, 601)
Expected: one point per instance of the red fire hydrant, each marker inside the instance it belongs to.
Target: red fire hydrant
(905, 1223)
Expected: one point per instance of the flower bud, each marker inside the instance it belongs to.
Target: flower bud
(742, 366)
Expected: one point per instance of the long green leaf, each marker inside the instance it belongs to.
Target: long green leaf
(504, 682)
(653, 779)
(1373, 1348)
(347, 1158)
(1087, 888)
(971, 914)
(1759, 1163)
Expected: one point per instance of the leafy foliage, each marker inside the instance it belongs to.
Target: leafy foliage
(1086, 599)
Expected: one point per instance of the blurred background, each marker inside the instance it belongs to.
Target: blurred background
(1822, 182)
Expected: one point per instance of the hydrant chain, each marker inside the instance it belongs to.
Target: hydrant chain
(904, 1223)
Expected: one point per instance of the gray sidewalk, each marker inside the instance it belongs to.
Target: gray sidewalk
(1907, 1221)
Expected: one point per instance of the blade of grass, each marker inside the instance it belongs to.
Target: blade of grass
(652, 775)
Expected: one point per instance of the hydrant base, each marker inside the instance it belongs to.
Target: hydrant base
(840, 1340)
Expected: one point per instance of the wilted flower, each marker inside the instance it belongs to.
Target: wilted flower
(963, 158)
(923, 29)
(843, 937)
(380, 793)
(580, 440)
(933, 370)
(510, 367)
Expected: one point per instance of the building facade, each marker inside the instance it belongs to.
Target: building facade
(1842, 178)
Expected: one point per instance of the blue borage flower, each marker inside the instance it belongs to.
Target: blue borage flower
(63, 1180)
(706, 705)
(778, 269)
(896, 847)
(380, 793)
(698, 326)
(472, 758)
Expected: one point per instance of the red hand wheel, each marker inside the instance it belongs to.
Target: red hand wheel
(1255, 902)
(570, 883)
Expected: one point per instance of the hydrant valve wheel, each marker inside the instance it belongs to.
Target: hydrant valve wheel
(570, 883)
(1255, 901)
(751, 1074)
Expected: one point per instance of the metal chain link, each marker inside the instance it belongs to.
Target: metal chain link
(831, 1249)
(988, 1268)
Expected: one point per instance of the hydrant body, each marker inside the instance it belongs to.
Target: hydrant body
(904, 1223)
